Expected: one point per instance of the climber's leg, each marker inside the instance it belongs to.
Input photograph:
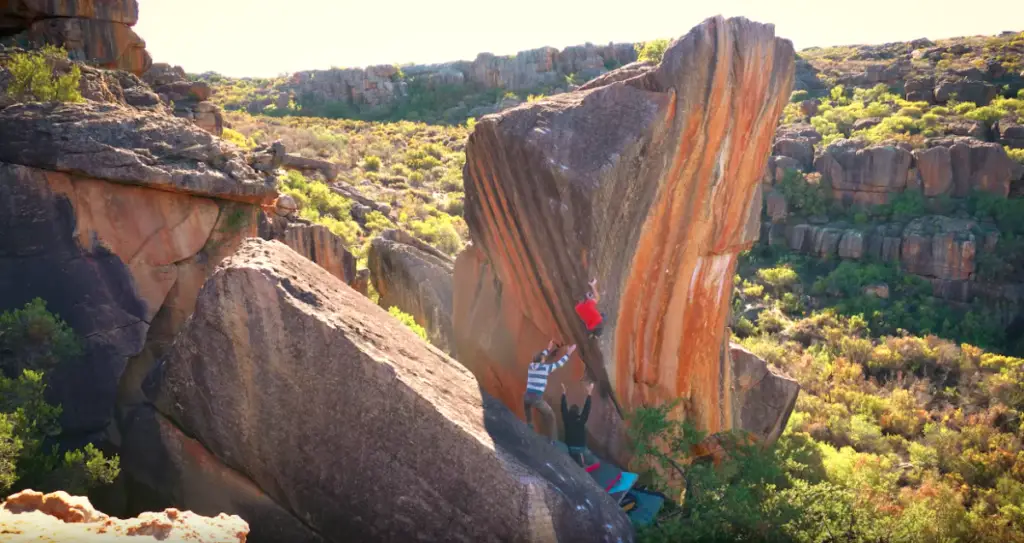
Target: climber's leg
(549, 417)
(528, 409)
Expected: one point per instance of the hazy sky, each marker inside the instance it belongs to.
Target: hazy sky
(270, 37)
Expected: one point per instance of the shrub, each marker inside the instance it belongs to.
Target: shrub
(35, 341)
(32, 77)
(798, 96)
(371, 163)
(964, 108)
(803, 196)
(651, 51)
(238, 139)
(987, 114)
(407, 320)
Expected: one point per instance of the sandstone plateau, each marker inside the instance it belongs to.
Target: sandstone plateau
(648, 181)
(322, 406)
(60, 518)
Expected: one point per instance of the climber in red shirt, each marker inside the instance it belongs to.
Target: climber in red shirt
(587, 310)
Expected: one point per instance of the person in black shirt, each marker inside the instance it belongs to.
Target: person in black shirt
(575, 422)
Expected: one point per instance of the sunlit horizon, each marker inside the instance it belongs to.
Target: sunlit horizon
(258, 38)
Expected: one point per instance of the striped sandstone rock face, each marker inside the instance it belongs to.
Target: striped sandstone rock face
(649, 183)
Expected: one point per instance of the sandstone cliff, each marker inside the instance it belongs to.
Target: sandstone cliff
(651, 185)
(96, 31)
(59, 518)
(323, 408)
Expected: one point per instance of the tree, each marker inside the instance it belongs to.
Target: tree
(651, 51)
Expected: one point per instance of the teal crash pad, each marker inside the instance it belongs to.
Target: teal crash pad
(647, 506)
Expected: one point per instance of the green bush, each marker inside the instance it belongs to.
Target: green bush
(798, 96)
(32, 77)
(803, 196)
(987, 114)
(33, 342)
(407, 320)
(651, 51)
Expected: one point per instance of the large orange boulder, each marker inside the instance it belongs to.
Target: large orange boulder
(650, 183)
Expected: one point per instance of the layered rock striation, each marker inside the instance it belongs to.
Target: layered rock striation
(650, 183)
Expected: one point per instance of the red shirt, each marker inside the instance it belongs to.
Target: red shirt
(587, 310)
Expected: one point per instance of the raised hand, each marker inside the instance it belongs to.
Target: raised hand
(571, 349)
(563, 388)
(551, 345)
(590, 388)
(593, 282)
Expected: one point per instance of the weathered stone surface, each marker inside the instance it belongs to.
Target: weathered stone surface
(188, 97)
(966, 90)
(111, 260)
(169, 469)
(108, 142)
(852, 245)
(799, 149)
(325, 167)
(825, 241)
(313, 241)
(118, 11)
(940, 247)
(775, 205)
(920, 90)
(880, 290)
(936, 171)
(884, 243)
(1010, 133)
(851, 171)
(299, 354)
(417, 279)
(767, 397)
(103, 43)
(978, 166)
(59, 517)
(623, 182)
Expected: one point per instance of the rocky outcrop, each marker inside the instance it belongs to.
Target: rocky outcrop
(59, 517)
(378, 86)
(766, 395)
(187, 99)
(978, 166)
(940, 247)
(407, 446)
(104, 141)
(115, 216)
(95, 31)
(1010, 132)
(313, 241)
(866, 175)
(417, 279)
(325, 167)
(651, 184)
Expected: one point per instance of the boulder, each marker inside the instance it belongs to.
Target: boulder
(30, 516)
(852, 245)
(295, 162)
(966, 127)
(767, 396)
(884, 242)
(105, 141)
(809, 108)
(316, 242)
(775, 205)
(966, 90)
(614, 183)
(1010, 133)
(106, 44)
(82, 227)
(406, 444)
(880, 290)
(163, 468)
(936, 171)
(416, 278)
(799, 149)
(863, 175)
(188, 97)
(920, 90)
(940, 247)
(978, 166)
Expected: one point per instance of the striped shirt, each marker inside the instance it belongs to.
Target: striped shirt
(537, 376)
